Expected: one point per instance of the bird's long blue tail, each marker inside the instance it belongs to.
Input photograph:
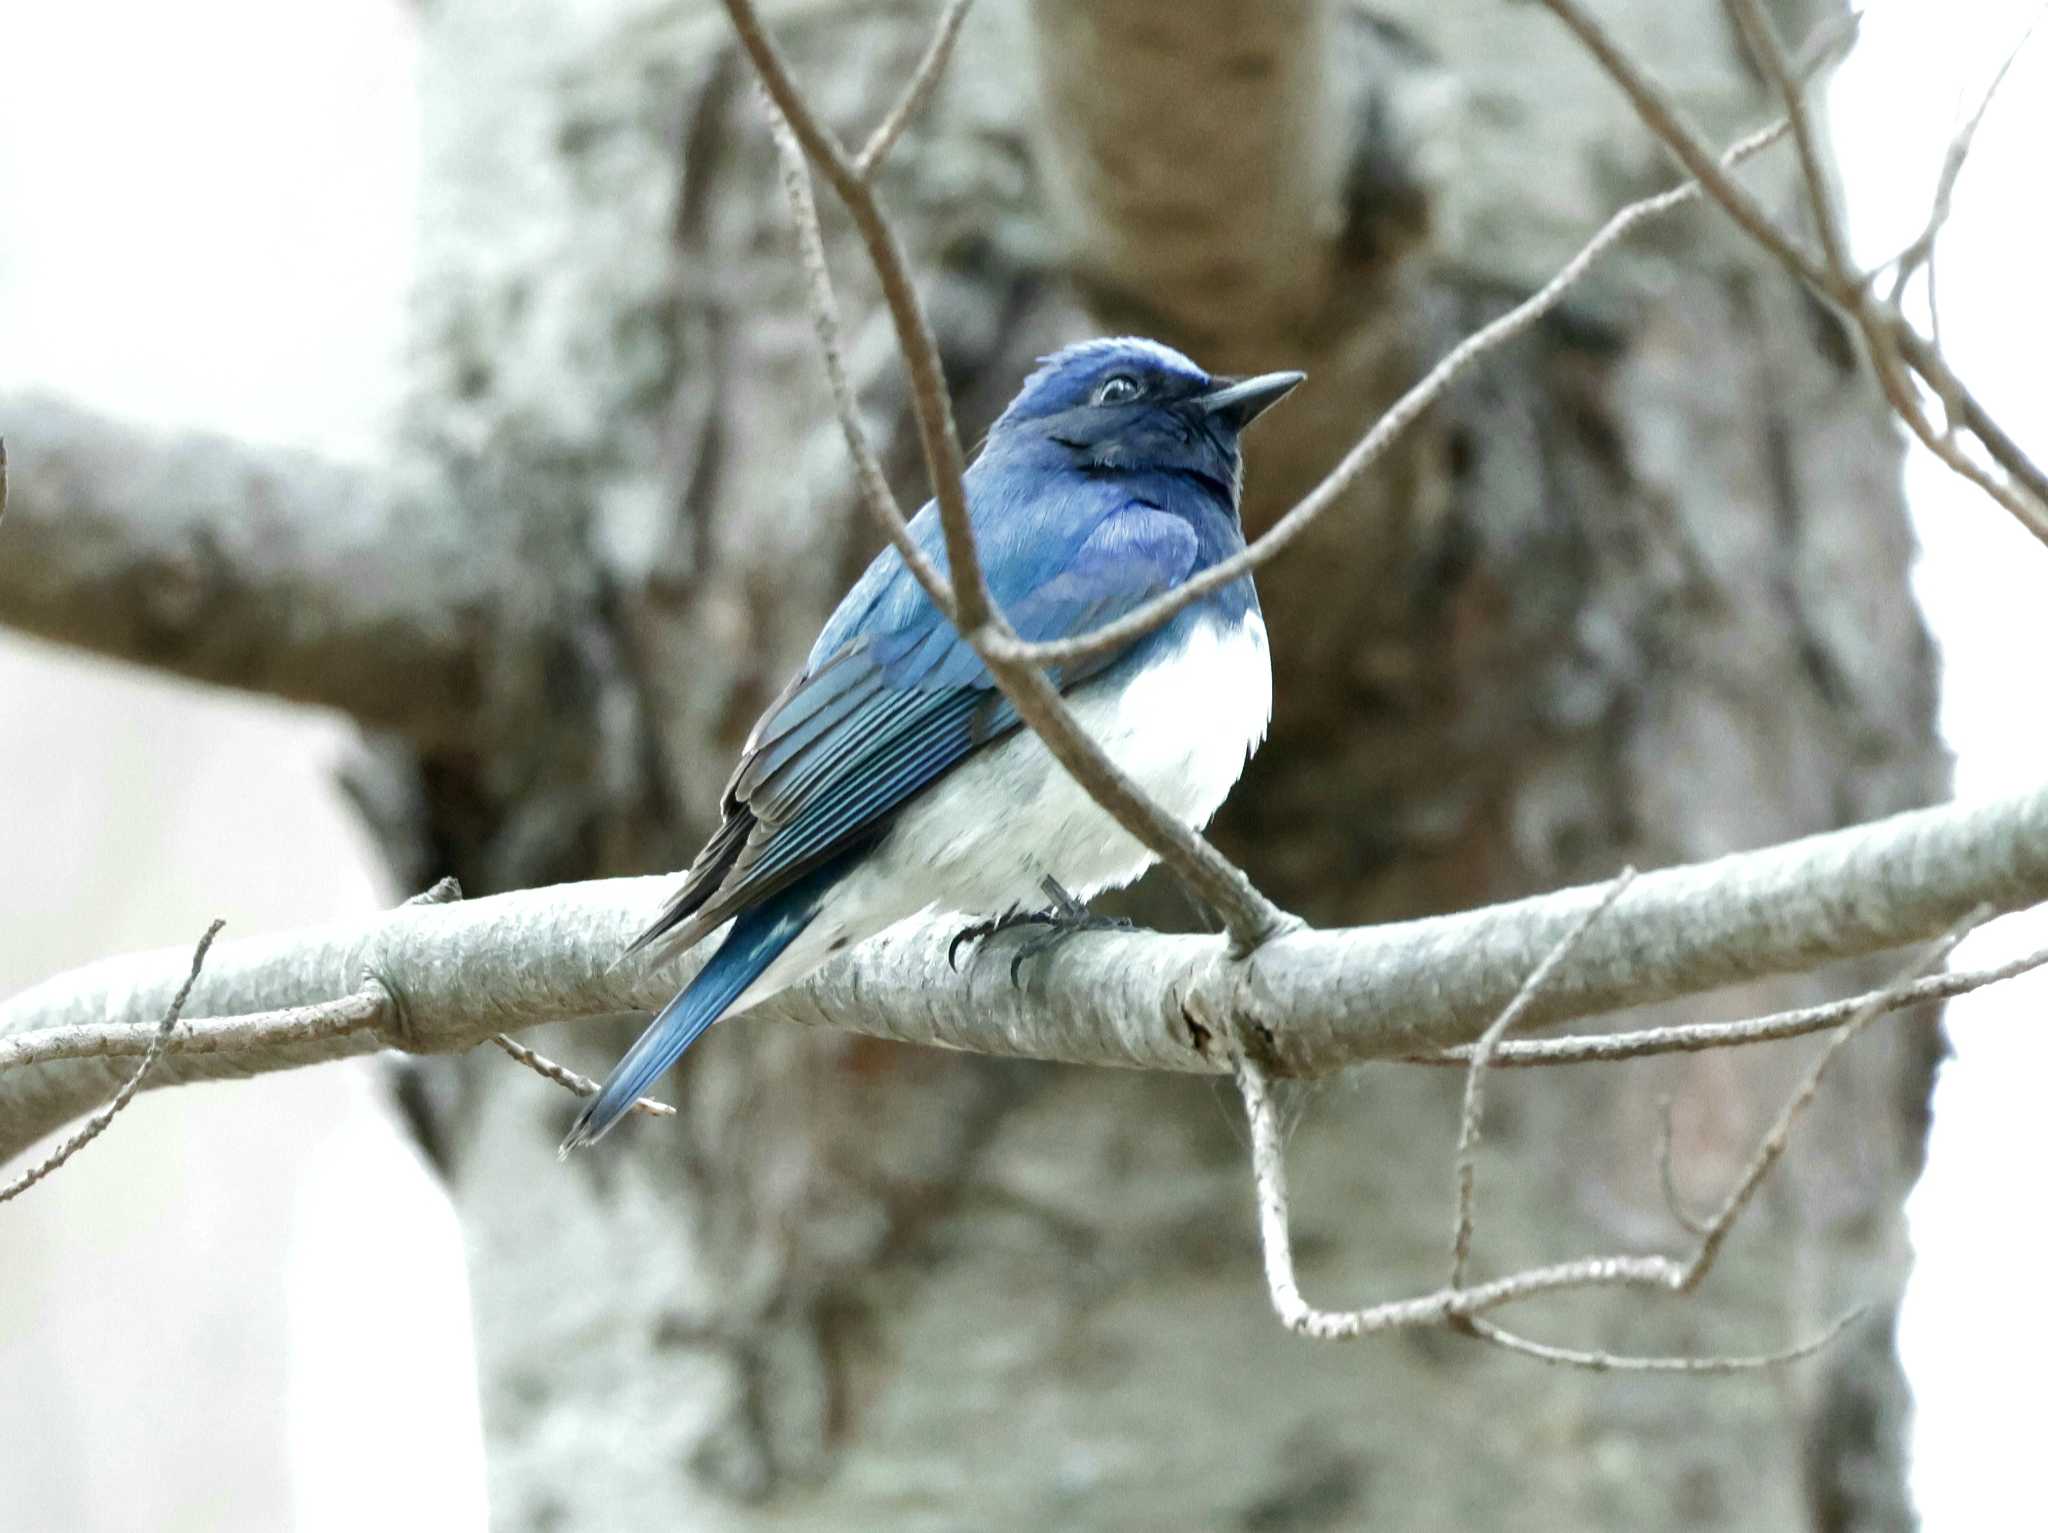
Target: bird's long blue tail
(756, 940)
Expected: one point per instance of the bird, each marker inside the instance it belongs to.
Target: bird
(891, 777)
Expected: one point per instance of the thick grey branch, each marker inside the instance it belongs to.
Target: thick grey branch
(245, 566)
(1321, 999)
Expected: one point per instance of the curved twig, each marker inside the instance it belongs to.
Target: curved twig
(97, 1124)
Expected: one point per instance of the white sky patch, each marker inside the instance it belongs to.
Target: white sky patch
(209, 211)
(381, 1382)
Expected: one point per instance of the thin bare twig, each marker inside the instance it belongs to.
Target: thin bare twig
(365, 1010)
(916, 94)
(1460, 1306)
(2023, 493)
(1269, 1176)
(1420, 397)
(1593, 1361)
(873, 484)
(1771, 1148)
(1711, 1233)
(2027, 496)
(1474, 1108)
(1921, 251)
(1687, 1220)
(1770, 54)
(562, 1075)
(97, 1124)
(933, 405)
(1662, 116)
(1882, 325)
(1465, 1220)
(1699, 1037)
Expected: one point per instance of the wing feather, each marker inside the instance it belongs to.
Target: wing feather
(894, 700)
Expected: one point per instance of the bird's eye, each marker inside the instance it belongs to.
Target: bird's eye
(1116, 390)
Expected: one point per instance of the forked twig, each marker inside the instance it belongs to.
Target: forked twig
(1462, 1304)
(1920, 253)
(922, 82)
(1771, 1148)
(1897, 350)
(1269, 1176)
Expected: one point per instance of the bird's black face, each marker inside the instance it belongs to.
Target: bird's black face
(1137, 406)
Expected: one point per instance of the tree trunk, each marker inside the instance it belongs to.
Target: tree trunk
(1637, 593)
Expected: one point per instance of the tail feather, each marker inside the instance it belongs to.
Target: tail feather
(756, 940)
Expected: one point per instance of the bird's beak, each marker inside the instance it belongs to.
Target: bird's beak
(1243, 400)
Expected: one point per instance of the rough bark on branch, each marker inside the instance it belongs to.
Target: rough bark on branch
(1324, 999)
(245, 566)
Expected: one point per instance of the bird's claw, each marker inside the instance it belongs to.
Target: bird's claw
(1065, 917)
(981, 931)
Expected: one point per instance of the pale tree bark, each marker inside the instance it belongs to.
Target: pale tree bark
(1637, 592)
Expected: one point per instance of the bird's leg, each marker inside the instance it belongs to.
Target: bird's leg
(1064, 917)
(1070, 915)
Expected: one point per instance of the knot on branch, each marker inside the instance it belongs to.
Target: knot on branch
(1272, 925)
(1220, 1020)
(394, 1026)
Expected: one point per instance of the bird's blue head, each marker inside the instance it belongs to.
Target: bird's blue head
(1131, 405)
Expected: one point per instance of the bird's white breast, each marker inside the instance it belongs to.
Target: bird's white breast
(1182, 727)
(984, 837)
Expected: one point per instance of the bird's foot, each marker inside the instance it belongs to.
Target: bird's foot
(981, 931)
(1065, 917)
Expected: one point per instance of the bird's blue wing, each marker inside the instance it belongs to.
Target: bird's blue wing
(892, 698)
